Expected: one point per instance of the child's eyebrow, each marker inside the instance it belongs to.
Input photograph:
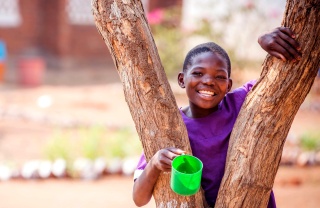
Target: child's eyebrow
(223, 70)
(197, 67)
(219, 69)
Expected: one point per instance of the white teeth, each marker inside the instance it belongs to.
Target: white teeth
(204, 92)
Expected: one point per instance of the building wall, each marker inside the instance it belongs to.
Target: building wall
(46, 30)
(153, 4)
(27, 34)
(53, 12)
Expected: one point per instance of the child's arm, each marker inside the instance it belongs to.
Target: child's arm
(144, 184)
(281, 43)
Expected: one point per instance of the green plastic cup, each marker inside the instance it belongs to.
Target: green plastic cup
(186, 175)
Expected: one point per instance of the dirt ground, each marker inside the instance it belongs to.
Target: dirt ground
(294, 187)
(95, 96)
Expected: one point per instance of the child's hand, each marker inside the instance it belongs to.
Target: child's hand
(281, 43)
(163, 158)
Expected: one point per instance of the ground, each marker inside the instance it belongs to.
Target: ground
(294, 187)
(95, 96)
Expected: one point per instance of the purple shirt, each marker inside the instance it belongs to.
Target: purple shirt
(209, 137)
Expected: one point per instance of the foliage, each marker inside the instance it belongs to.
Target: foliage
(123, 143)
(239, 19)
(93, 142)
(168, 37)
(171, 39)
(310, 141)
(59, 146)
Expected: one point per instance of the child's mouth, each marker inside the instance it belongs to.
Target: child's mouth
(206, 93)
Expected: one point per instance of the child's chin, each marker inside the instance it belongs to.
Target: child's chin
(209, 107)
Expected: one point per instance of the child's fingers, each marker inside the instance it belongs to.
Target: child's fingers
(278, 49)
(164, 157)
(163, 162)
(166, 167)
(278, 55)
(176, 151)
(287, 31)
(288, 51)
(293, 46)
(169, 154)
(172, 155)
(288, 38)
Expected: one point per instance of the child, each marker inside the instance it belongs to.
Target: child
(211, 113)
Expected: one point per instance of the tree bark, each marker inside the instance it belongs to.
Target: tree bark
(125, 30)
(260, 131)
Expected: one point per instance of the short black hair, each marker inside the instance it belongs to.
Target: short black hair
(206, 47)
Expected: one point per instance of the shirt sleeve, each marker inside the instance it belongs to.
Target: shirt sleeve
(140, 167)
(249, 85)
(235, 99)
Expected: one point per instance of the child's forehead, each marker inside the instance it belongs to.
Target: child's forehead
(208, 56)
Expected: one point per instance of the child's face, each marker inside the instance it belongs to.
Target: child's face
(206, 82)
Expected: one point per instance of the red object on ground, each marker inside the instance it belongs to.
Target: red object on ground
(31, 71)
(2, 71)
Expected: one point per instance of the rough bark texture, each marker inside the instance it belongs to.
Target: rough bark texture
(260, 131)
(124, 28)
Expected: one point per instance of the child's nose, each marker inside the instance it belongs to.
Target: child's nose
(208, 80)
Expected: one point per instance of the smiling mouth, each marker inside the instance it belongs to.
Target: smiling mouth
(207, 93)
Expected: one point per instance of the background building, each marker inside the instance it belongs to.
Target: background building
(58, 30)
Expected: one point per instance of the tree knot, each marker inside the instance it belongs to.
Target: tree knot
(243, 151)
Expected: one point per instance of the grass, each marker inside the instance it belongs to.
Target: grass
(310, 141)
(93, 142)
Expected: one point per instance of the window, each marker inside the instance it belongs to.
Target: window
(79, 12)
(9, 13)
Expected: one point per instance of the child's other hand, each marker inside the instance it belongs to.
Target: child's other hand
(163, 158)
(281, 43)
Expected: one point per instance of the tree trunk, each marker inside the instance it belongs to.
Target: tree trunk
(124, 28)
(260, 131)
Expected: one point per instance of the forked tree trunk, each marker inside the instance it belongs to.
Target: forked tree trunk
(264, 121)
(124, 28)
(266, 116)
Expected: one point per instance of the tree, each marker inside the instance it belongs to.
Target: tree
(152, 105)
(265, 118)
(264, 121)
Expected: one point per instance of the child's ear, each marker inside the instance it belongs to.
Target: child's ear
(229, 84)
(181, 80)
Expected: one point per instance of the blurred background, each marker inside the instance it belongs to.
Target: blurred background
(67, 138)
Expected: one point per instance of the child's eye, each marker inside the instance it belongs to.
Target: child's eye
(221, 77)
(197, 73)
